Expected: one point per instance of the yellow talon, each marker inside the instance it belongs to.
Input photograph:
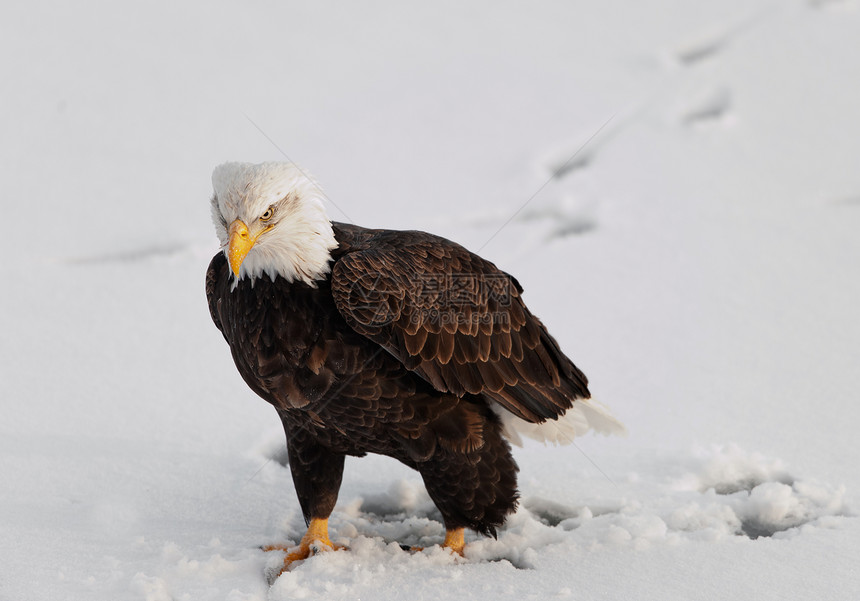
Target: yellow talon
(314, 541)
(455, 540)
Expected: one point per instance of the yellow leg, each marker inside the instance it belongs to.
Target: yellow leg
(455, 540)
(314, 541)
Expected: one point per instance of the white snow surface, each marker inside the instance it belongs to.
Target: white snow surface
(675, 183)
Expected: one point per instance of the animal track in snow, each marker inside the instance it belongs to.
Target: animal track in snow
(582, 151)
(712, 41)
(559, 202)
(567, 218)
(832, 4)
(552, 513)
(712, 105)
(701, 48)
(162, 251)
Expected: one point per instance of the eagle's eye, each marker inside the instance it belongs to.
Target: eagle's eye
(267, 214)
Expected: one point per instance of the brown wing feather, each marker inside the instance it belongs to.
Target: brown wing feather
(213, 292)
(456, 320)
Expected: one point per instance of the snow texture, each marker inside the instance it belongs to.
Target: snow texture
(673, 182)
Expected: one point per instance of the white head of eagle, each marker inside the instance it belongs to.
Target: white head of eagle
(270, 219)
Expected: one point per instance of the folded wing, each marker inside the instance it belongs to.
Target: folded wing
(456, 320)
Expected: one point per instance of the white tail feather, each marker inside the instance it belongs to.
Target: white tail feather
(585, 415)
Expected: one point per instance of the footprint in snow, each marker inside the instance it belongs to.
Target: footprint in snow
(752, 496)
(134, 255)
(709, 106)
(555, 514)
(714, 40)
(832, 4)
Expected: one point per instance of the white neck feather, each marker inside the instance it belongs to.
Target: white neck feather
(298, 246)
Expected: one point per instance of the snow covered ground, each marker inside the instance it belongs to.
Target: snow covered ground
(698, 258)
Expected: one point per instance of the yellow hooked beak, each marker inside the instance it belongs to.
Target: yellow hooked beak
(241, 242)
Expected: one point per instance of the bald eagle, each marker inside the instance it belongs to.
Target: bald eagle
(399, 343)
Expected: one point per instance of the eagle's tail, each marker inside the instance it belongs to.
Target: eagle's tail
(584, 416)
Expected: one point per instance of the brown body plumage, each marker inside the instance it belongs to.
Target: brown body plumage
(401, 350)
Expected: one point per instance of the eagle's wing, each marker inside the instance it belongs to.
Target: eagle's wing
(456, 320)
(214, 284)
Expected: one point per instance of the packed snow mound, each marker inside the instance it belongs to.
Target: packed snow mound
(753, 496)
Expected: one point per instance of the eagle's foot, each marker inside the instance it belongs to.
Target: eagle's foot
(314, 541)
(454, 540)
